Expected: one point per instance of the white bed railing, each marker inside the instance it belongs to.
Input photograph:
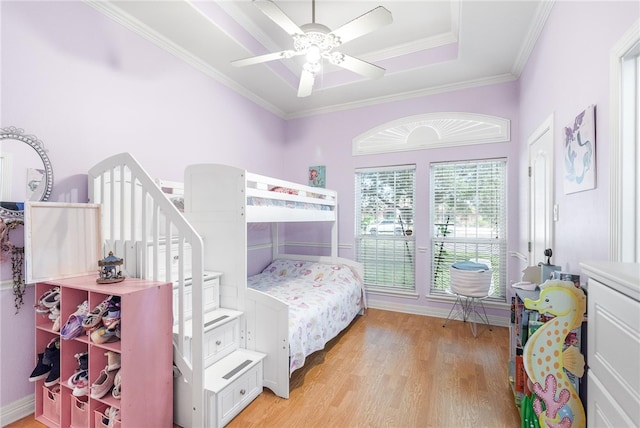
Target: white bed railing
(140, 224)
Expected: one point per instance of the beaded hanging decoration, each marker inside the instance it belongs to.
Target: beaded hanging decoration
(17, 259)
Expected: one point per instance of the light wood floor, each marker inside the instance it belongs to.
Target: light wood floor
(390, 369)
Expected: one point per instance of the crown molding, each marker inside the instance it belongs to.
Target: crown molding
(535, 29)
(469, 84)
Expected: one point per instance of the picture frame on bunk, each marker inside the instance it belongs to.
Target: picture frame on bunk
(317, 176)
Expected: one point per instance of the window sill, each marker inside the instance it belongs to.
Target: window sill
(410, 294)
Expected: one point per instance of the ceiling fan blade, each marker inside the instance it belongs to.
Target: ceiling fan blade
(363, 24)
(306, 84)
(276, 14)
(356, 65)
(263, 58)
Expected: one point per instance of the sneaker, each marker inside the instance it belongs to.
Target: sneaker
(41, 371)
(82, 385)
(106, 334)
(56, 325)
(72, 382)
(54, 312)
(51, 299)
(111, 416)
(81, 371)
(83, 360)
(95, 316)
(115, 392)
(103, 383)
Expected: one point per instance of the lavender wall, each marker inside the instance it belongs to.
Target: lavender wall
(327, 140)
(89, 88)
(567, 71)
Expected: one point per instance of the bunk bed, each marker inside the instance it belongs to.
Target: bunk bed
(220, 201)
(186, 235)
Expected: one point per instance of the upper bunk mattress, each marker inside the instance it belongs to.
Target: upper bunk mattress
(323, 299)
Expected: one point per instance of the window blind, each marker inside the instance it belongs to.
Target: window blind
(384, 226)
(468, 218)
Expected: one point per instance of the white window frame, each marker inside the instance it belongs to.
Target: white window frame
(625, 155)
(391, 254)
(457, 247)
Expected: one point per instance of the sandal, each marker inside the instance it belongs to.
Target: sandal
(73, 326)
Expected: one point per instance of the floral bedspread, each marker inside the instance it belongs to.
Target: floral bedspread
(323, 299)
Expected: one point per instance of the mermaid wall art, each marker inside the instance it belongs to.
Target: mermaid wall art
(580, 153)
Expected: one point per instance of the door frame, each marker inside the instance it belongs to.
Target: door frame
(545, 128)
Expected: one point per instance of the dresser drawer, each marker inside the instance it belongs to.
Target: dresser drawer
(221, 340)
(240, 393)
(615, 320)
(231, 384)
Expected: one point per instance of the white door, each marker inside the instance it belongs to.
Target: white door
(541, 191)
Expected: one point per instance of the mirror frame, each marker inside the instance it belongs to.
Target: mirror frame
(13, 133)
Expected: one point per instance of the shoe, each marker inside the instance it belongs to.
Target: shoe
(54, 312)
(115, 392)
(73, 326)
(83, 360)
(40, 307)
(53, 347)
(105, 334)
(103, 383)
(95, 316)
(72, 382)
(82, 385)
(111, 315)
(81, 371)
(113, 360)
(52, 355)
(51, 299)
(111, 416)
(41, 371)
(56, 325)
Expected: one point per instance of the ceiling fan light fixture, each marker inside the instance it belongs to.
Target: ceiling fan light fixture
(316, 41)
(314, 54)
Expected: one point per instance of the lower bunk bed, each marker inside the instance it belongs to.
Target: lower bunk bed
(295, 307)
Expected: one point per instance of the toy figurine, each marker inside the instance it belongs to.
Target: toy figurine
(109, 271)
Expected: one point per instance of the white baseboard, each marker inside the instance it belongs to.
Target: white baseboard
(17, 410)
(427, 311)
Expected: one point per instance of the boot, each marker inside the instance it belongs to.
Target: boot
(41, 371)
(54, 374)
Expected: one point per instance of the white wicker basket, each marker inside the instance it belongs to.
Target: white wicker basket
(471, 283)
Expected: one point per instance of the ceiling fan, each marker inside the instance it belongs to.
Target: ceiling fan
(317, 42)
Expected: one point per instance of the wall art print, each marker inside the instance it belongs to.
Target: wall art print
(580, 153)
(317, 176)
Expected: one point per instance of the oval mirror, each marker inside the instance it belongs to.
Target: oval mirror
(25, 172)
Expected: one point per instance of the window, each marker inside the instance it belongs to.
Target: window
(384, 227)
(468, 219)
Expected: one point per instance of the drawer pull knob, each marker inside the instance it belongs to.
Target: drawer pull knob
(218, 342)
(242, 392)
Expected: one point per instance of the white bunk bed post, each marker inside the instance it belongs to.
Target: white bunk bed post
(134, 217)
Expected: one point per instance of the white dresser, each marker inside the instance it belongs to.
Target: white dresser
(613, 344)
